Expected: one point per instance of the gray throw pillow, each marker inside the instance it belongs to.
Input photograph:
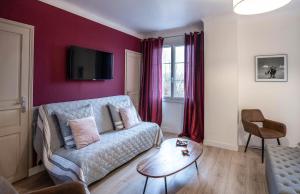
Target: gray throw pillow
(115, 117)
(63, 119)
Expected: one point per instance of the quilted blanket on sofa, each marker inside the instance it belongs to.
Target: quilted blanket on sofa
(114, 149)
(93, 162)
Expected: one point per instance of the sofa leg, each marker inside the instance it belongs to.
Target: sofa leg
(278, 141)
(248, 142)
(263, 149)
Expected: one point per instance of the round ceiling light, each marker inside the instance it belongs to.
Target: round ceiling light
(251, 7)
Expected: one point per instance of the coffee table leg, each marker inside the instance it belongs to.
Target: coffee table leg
(196, 167)
(145, 185)
(166, 189)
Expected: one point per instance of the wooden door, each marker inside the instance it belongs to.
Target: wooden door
(15, 98)
(133, 62)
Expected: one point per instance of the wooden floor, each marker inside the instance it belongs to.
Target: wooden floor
(220, 171)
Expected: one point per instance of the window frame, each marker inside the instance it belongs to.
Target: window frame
(173, 69)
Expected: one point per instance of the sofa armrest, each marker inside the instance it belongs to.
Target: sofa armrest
(66, 188)
(275, 125)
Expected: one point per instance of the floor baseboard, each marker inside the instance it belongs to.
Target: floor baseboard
(221, 145)
(35, 170)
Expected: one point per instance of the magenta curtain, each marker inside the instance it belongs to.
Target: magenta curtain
(193, 124)
(150, 107)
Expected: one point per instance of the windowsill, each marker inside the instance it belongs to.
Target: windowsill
(174, 100)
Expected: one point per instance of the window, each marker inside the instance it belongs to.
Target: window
(173, 72)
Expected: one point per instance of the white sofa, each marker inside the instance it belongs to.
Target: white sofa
(93, 162)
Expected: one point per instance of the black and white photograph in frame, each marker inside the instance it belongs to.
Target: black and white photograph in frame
(271, 68)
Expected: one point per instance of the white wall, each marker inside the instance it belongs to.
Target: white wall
(231, 42)
(221, 82)
(264, 35)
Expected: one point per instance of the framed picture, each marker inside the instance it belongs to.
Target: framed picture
(271, 68)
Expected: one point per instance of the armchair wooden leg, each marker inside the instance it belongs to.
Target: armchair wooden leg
(248, 142)
(278, 141)
(263, 149)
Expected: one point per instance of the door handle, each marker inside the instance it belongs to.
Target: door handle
(23, 104)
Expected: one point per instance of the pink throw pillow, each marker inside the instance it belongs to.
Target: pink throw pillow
(129, 117)
(84, 131)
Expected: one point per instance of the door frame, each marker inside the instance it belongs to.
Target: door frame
(30, 83)
(130, 51)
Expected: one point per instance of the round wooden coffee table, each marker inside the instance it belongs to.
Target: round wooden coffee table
(169, 160)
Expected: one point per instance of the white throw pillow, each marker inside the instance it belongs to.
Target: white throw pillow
(129, 117)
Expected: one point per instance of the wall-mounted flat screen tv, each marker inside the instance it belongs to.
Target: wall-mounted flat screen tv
(89, 64)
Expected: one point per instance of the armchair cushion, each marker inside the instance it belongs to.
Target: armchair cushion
(268, 133)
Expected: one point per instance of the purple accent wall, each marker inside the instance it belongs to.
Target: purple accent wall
(55, 30)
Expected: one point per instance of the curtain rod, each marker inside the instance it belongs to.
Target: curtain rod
(175, 35)
(178, 35)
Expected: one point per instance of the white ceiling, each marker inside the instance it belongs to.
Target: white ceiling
(138, 17)
(146, 16)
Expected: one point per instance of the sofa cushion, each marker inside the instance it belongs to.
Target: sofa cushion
(114, 149)
(283, 169)
(84, 131)
(64, 116)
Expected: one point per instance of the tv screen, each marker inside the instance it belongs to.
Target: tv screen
(89, 64)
